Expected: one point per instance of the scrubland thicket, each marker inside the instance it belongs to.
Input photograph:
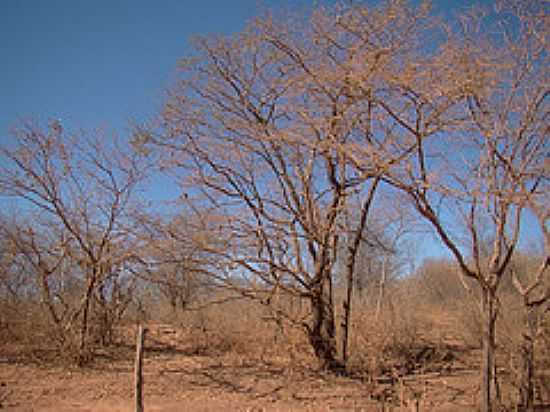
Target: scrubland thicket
(311, 156)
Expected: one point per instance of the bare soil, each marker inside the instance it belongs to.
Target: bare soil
(175, 382)
(178, 379)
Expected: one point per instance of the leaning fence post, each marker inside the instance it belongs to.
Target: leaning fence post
(138, 373)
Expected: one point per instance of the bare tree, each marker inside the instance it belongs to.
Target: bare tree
(481, 133)
(254, 129)
(174, 259)
(513, 121)
(534, 286)
(86, 188)
(40, 252)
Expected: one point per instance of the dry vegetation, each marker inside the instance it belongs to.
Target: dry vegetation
(312, 155)
(422, 349)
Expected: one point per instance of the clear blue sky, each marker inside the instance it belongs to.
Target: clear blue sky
(102, 63)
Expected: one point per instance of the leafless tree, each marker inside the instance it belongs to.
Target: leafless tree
(481, 138)
(254, 129)
(84, 188)
(39, 252)
(174, 259)
(534, 286)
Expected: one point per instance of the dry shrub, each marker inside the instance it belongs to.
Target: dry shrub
(510, 322)
(510, 328)
(437, 283)
(26, 324)
(469, 325)
(387, 344)
(27, 334)
(239, 327)
(8, 314)
(542, 344)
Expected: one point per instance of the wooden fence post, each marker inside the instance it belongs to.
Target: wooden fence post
(138, 373)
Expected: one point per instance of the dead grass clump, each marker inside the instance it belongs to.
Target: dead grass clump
(237, 327)
(26, 334)
(469, 325)
(542, 344)
(381, 346)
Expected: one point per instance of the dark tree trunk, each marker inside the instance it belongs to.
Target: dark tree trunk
(103, 318)
(381, 288)
(82, 347)
(488, 349)
(526, 391)
(347, 316)
(350, 269)
(322, 332)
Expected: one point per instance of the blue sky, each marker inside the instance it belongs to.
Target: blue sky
(102, 63)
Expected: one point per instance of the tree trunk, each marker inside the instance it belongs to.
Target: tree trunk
(526, 391)
(82, 349)
(350, 269)
(138, 370)
(103, 317)
(322, 333)
(381, 289)
(83, 333)
(347, 315)
(47, 301)
(488, 348)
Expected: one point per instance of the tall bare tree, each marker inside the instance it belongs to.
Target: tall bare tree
(85, 188)
(481, 132)
(254, 129)
(534, 289)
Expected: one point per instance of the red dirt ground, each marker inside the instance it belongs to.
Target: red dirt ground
(176, 380)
